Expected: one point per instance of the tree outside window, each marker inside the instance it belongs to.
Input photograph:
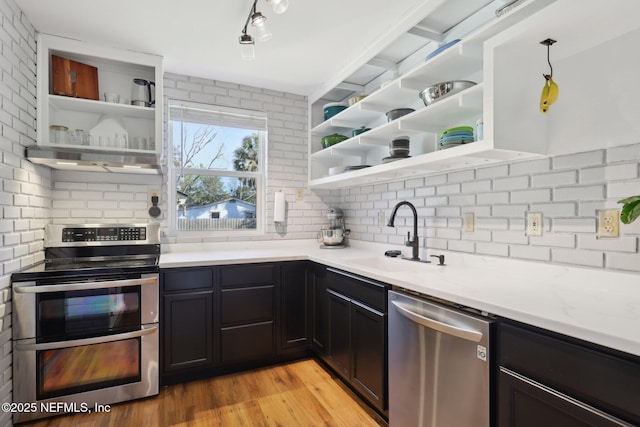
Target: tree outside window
(217, 167)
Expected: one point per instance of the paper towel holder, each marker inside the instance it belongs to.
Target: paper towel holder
(279, 207)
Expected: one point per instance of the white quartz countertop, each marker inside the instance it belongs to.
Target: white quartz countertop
(600, 306)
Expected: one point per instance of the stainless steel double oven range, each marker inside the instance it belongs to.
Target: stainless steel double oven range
(85, 321)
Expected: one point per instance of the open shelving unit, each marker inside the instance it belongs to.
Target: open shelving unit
(464, 60)
(116, 70)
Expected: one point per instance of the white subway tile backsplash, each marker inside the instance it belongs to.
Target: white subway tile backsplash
(554, 179)
(574, 225)
(623, 154)
(448, 211)
(25, 189)
(622, 190)
(477, 235)
(491, 223)
(530, 196)
(448, 233)
(435, 201)
(619, 244)
(448, 189)
(498, 197)
(578, 257)
(536, 253)
(495, 249)
(567, 195)
(580, 160)
(492, 172)
(609, 173)
(528, 167)
(554, 209)
(510, 211)
(435, 179)
(476, 186)
(459, 245)
(417, 183)
(399, 185)
(462, 176)
(510, 236)
(591, 192)
(621, 261)
(478, 211)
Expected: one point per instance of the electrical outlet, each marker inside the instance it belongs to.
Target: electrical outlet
(608, 223)
(381, 218)
(299, 193)
(533, 224)
(468, 222)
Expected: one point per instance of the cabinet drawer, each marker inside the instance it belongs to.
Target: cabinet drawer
(243, 343)
(186, 279)
(247, 274)
(367, 291)
(247, 305)
(603, 378)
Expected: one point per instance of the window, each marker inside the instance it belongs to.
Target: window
(217, 168)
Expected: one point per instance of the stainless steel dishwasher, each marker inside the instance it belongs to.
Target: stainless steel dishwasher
(439, 364)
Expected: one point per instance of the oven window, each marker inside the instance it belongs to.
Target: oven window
(89, 367)
(81, 314)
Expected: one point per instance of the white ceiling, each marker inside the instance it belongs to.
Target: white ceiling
(312, 41)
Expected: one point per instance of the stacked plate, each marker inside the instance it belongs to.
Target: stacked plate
(398, 149)
(455, 136)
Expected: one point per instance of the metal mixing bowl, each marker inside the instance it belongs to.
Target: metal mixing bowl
(442, 90)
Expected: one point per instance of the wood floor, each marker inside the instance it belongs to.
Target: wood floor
(296, 394)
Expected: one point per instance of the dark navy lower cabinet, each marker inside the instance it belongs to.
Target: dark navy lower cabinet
(547, 379)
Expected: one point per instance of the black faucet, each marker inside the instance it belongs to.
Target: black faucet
(415, 242)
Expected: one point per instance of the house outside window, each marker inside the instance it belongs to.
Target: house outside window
(217, 169)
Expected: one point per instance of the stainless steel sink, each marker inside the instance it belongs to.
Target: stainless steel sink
(380, 263)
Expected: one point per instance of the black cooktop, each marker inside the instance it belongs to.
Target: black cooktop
(93, 261)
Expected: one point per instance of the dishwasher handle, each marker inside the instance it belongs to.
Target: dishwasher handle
(467, 334)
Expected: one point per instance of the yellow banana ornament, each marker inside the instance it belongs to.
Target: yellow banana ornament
(549, 94)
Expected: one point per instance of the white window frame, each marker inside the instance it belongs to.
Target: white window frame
(260, 177)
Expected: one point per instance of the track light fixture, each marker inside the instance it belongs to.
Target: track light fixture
(257, 21)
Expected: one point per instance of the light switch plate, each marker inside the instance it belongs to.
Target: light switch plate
(468, 222)
(533, 224)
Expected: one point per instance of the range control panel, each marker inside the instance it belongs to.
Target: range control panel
(103, 234)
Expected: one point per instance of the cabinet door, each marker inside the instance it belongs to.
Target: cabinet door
(369, 349)
(295, 307)
(188, 330)
(339, 350)
(320, 308)
(526, 403)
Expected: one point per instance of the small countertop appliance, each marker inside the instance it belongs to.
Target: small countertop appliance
(334, 236)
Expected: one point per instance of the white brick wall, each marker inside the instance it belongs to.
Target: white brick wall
(86, 197)
(286, 152)
(567, 189)
(104, 197)
(24, 188)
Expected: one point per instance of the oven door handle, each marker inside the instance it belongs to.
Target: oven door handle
(84, 286)
(146, 330)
